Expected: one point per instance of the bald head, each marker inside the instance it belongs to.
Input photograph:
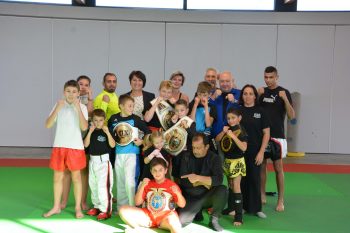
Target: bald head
(226, 81)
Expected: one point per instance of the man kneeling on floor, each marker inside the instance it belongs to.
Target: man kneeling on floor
(201, 176)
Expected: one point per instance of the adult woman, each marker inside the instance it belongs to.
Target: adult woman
(178, 80)
(257, 126)
(142, 98)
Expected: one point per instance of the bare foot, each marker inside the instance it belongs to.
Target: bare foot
(237, 223)
(263, 199)
(53, 211)
(84, 206)
(63, 205)
(79, 214)
(280, 207)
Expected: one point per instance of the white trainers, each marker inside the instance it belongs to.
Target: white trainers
(261, 214)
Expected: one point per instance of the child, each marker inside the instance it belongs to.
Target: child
(100, 141)
(160, 195)
(68, 152)
(203, 112)
(85, 96)
(127, 150)
(153, 120)
(181, 110)
(155, 151)
(233, 142)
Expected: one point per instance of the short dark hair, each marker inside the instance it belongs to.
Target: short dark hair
(200, 136)
(158, 161)
(271, 69)
(255, 93)
(234, 111)
(124, 98)
(204, 87)
(71, 83)
(178, 73)
(99, 113)
(84, 77)
(108, 74)
(138, 74)
(182, 102)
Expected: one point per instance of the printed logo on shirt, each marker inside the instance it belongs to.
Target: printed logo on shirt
(257, 115)
(101, 138)
(271, 99)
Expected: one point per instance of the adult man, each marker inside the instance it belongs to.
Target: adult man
(276, 102)
(228, 99)
(201, 176)
(107, 100)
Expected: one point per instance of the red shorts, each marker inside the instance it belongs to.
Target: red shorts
(156, 220)
(65, 158)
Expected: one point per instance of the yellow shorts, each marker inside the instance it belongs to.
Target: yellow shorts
(234, 167)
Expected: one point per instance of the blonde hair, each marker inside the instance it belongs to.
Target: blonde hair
(167, 84)
(156, 134)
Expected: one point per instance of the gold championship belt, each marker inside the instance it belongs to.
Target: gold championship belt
(159, 200)
(164, 112)
(176, 136)
(125, 133)
(227, 142)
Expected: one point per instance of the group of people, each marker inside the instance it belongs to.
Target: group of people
(166, 177)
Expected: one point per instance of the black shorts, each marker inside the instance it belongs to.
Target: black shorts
(274, 150)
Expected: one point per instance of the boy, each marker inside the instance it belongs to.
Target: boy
(127, 149)
(85, 97)
(181, 111)
(160, 196)
(100, 141)
(68, 152)
(276, 102)
(203, 112)
(233, 143)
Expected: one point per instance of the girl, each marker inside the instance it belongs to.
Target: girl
(160, 195)
(233, 143)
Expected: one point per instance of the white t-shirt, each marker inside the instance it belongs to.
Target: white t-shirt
(68, 133)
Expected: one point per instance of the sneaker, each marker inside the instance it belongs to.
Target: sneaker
(93, 212)
(261, 214)
(103, 216)
(214, 224)
(199, 217)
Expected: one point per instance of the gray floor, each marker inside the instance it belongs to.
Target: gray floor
(44, 153)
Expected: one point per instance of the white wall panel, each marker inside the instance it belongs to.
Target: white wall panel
(247, 50)
(192, 48)
(25, 81)
(137, 46)
(340, 123)
(80, 47)
(305, 60)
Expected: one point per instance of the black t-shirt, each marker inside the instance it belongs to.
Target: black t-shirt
(154, 122)
(146, 173)
(99, 143)
(275, 109)
(254, 121)
(210, 165)
(228, 145)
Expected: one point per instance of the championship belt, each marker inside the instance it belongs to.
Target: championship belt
(125, 133)
(176, 136)
(159, 200)
(227, 142)
(164, 112)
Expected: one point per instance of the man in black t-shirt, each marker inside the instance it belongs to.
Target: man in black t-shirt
(276, 102)
(201, 176)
